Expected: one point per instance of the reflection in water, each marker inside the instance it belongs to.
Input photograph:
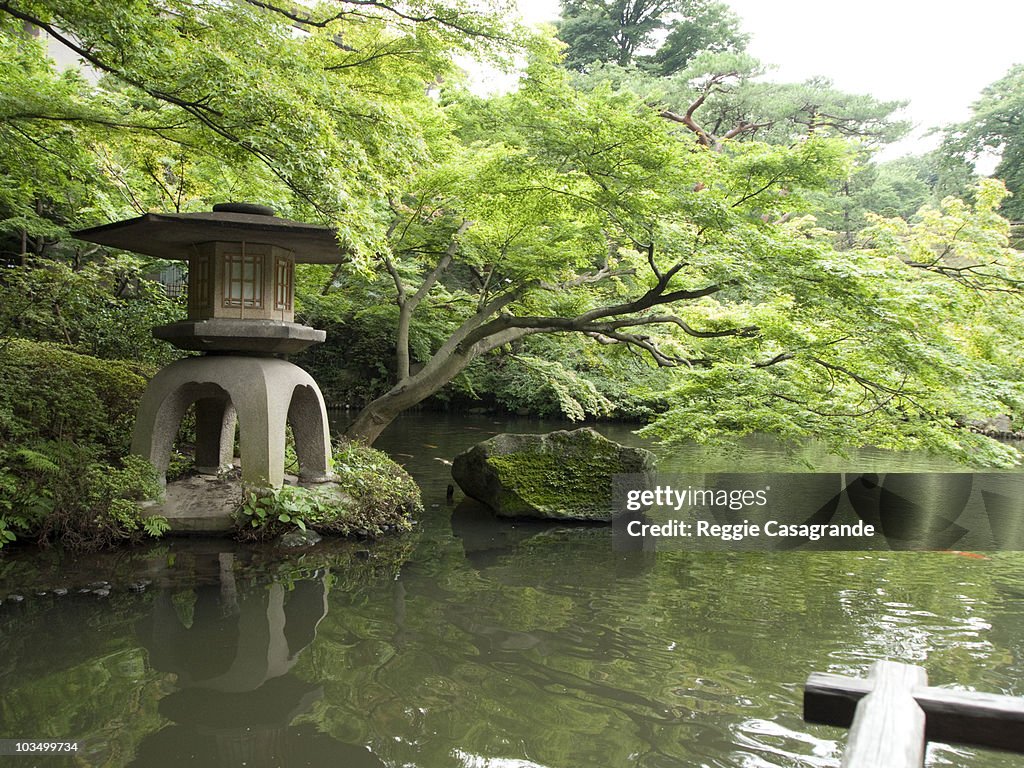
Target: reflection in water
(531, 647)
(487, 644)
(232, 658)
(230, 644)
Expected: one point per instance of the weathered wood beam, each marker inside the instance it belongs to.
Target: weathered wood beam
(976, 719)
(888, 725)
(968, 718)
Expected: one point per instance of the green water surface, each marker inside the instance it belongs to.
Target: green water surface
(482, 644)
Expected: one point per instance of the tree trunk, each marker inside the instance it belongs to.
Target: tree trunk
(375, 418)
(377, 415)
(402, 342)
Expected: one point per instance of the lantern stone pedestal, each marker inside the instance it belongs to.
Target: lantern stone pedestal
(264, 394)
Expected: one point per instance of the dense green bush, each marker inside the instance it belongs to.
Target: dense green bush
(372, 495)
(105, 309)
(65, 429)
(52, 393)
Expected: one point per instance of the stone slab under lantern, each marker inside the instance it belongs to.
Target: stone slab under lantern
(241, 281)
(239, 336)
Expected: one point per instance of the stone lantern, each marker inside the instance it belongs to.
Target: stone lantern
(241, 288)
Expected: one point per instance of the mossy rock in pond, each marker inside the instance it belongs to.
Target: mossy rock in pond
(560, 476)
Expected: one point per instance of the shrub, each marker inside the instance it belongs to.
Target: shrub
(104, 309)
(372, 495)
(65, 429)
(51, 393)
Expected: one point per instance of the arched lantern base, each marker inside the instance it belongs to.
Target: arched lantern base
(263, 394)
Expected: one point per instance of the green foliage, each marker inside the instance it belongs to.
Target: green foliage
(281, 505)
(563, 377)
(371, 495)
(6, 534)
(327, 121)
(356, 363)
(64, 431)
(546, 388)
(105, 309)
(62, 492)
(52, 393)
(732, 100)
(895, 361)
(706, 27)
(620, 32)
(897, 188)
(50, 177)
(995, 128)
(155, 526)
(383, 492)
(586, 206)
(737, 100)
(589, 207)
(551, 379)
(180, 464)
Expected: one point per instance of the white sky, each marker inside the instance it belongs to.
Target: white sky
(938, 54)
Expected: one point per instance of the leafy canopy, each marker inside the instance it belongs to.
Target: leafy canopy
(624, 31)
(997, 126)
(563, 210)
(325, 109)
(480, 226)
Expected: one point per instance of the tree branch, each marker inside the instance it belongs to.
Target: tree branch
(407, 304)
(744, 127)
(205, 114)
(663, 359)
(299, 16)
(400, 295)
(442, 265)
(779, 358)
(744, 332)
(588, 278)
(703, 136)
(591, 322)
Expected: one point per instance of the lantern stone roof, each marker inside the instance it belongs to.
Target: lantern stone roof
(172, 235)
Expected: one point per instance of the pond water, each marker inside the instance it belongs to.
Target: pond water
(481, 644)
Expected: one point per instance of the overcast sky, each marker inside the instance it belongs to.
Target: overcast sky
(937, 54)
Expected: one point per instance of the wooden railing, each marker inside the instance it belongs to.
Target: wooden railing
(893, 712)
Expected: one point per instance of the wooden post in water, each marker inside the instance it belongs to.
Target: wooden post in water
(893, 712)
(888, 726)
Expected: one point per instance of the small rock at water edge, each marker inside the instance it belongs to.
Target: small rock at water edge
(299, 538)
